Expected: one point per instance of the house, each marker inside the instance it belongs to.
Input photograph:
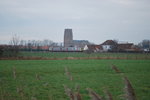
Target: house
(125, 47)
(109, 45)
(93, 48)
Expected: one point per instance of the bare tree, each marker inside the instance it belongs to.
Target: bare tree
(14, 42)
(30, 44)
(47, 42)
(22, 42)
(145, 45)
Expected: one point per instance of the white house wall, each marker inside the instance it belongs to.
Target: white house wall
(106, 47)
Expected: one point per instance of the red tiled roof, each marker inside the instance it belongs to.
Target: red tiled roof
(95, 47)
(109, 42)
(125, 46)
(44, 47)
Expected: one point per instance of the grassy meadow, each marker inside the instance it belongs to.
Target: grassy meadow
(44, 79)
(82, 54)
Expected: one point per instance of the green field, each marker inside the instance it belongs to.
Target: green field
(44, 79)
(82, 54)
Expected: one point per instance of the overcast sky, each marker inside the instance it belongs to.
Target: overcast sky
(93, 20)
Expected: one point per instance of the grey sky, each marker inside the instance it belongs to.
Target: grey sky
(93, 20)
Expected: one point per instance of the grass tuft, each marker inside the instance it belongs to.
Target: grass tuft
(69, 93)
(68, 74)
(38, 77)
(14, 72)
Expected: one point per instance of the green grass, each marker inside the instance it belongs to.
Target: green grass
(82, 54)
(95, 74)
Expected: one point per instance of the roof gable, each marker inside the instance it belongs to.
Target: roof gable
(125, 46)
(94, 47)
(109, 42)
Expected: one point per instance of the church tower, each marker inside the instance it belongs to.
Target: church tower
(68, 38)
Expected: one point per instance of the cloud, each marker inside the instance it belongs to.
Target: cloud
(86, 17)
(124, 2)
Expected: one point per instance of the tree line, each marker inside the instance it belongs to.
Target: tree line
(16, 45)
